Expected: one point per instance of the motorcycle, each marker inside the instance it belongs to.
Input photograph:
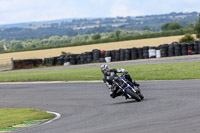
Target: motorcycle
(127, 89)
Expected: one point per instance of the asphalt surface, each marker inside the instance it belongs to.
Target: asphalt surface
(168, 107)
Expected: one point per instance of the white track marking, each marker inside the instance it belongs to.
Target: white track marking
(57, 116)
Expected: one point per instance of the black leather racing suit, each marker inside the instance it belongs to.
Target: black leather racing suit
(108, 80)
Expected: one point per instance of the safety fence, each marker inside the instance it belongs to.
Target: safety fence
(96, 55)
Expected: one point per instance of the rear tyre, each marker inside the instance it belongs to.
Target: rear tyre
(133, 95)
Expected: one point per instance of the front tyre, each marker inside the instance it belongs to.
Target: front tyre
(133, 95)
(141, 95)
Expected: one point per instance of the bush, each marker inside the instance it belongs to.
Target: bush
(187, 38)
(197, 29)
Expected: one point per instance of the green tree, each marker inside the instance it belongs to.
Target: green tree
(197, 28)
(171, 26)
(96, 37)
(117, 34)
(18, 46)
(187, 38)
(1, 48)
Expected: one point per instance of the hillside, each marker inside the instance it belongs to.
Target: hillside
(74, 27)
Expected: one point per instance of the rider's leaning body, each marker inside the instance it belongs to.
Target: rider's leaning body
(110, 74)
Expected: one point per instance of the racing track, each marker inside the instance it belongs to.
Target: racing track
(169, 107)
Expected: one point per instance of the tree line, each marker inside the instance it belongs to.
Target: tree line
(151, 23)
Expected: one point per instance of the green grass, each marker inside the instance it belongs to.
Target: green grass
(168, 71)
(11, 117)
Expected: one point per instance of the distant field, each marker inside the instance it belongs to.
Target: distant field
(40, 54)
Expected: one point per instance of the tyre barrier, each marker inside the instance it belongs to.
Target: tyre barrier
(198, 46)
(73, 59)
(96, 55)
(121, 54)
(158, 55)
(134, 53)
(128, 54)
(146, 52)
(112, 55)
(117, 55)
(177, 49)
(190, 50)
(152, 52)
(171, 51)
(164, 50)
(184, 49)
(108, 54)
(27, 64)
(140, 53)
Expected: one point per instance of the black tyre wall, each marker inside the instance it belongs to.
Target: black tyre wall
(134, 53)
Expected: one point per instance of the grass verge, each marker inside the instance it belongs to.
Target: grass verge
(10, 117)
(168, 71)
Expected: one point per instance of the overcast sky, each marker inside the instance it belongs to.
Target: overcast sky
(15, 11)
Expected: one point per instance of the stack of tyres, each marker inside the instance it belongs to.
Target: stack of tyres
(121, 54)
(140, 53)
(199, 46)
(164, 50)
(96, 55)
(61, 60)
(112, 53)
(171, 50)
(73, 60)
(196, 47)
(37, 62)
(81, 59)
(177, 49)
(128, 54)
(190, 48)
(152, 52)
(158, 54)
(67, 58)
(48, 61)
(108, 54)
(28, 63)
(146, 52)
(134, 53)
(89, 57)
(184, 49)
(55, 61)
(117, 55)
(103, 53)
(78, 59)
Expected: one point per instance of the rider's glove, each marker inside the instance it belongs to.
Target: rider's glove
(110, 86)
(122, 70)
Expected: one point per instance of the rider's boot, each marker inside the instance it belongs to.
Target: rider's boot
(135, 83)
(113, 92)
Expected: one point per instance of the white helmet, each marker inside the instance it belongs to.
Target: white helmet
(104, 67)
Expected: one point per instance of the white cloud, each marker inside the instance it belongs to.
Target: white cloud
(14, 11)
(120, 8)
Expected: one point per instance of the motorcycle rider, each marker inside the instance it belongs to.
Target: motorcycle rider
(110, 74)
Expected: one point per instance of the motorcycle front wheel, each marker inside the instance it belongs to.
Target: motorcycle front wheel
(133, 95)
